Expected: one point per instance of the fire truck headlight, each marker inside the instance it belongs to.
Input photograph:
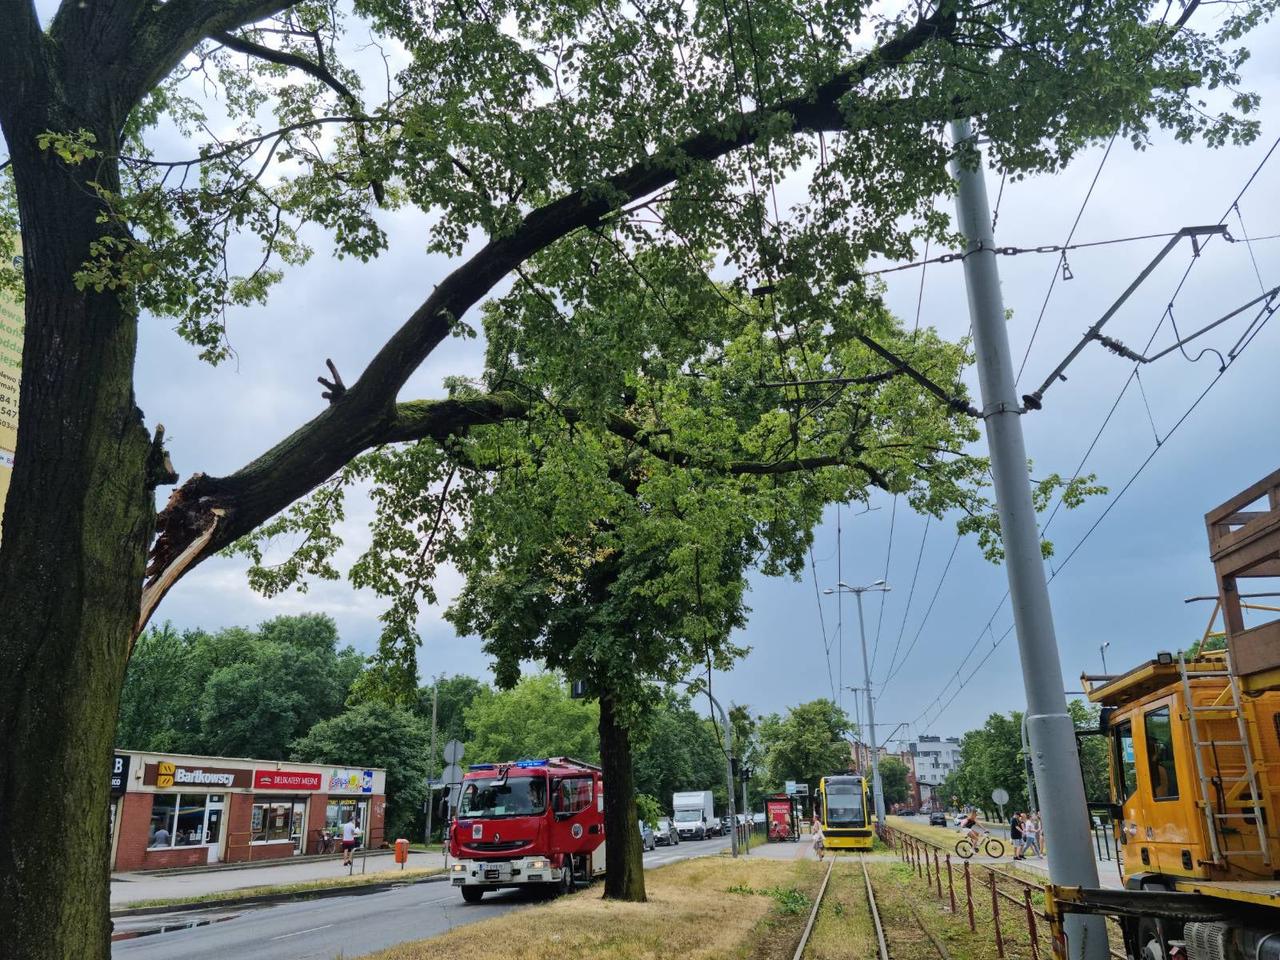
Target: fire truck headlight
(458, 868)
(538, 865)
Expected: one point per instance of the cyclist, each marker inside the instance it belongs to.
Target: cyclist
(970, 827)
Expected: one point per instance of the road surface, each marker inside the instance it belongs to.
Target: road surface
(345, 927)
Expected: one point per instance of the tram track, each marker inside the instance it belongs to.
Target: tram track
(902, 934)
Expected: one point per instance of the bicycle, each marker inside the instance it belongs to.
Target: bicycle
(991, 846)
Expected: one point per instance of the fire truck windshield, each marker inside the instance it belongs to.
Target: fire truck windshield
(514, 797)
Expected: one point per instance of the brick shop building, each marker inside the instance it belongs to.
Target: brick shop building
(170, 810)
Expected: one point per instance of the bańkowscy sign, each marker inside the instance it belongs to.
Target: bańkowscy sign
(286, 780)
(166, 776)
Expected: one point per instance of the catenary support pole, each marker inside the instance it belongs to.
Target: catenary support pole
(728, 772)
(746, 808)
(876, 787)
(431, 762)
(1049, 726)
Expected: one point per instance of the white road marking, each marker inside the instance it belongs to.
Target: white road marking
(298, 933)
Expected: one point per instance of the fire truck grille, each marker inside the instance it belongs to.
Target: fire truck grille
(500, 846)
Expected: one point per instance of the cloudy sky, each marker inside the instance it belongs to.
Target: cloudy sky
(1125, 586)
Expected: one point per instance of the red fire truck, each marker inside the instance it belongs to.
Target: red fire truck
(529, 823)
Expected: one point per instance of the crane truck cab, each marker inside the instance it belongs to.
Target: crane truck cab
(531, 823)
(1194, 745)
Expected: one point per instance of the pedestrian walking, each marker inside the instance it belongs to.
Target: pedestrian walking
(1016, 835)
(818, 845)
(1031, 836)
(350, 830)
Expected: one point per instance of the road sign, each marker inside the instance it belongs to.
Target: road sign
(452, 774)
(791, 787)
(1000, 796)
(802, 790)
(453, 751)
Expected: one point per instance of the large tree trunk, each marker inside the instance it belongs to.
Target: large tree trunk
(76, 525)
(624, 856)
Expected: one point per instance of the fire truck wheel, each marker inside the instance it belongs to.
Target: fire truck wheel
(472, 894)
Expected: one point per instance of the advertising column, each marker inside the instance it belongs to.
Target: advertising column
(11, 330)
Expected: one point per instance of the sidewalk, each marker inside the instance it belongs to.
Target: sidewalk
(127, 888)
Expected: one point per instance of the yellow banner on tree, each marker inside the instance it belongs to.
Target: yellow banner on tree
(11, 329)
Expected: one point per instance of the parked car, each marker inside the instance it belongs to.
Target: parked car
(906, 812)
(666, 833)
(648, 839)
(937, 819)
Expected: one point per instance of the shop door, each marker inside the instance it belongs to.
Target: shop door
(298, 827)
(213, 816)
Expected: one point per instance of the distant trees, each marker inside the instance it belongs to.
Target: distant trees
(893, 780)
(807, 744)
(677, 749)
(991, 756)
(535, 718)
(377, 735)
(235, 692)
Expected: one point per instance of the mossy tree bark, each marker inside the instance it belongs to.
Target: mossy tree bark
(77, 522)
(624, 855)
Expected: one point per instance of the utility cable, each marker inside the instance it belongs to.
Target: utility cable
(1062, 258)
(925, 619)
(910, 594)
(888, 554)
(1234, 205)
(1232, 357)
(822, 623)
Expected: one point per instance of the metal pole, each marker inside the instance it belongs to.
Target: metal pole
(746, 810)
(876, 787)
(1026, 762)
(431, 763)
(728, 773)
(1050, 729)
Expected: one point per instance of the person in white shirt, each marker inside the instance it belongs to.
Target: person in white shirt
(350, 830)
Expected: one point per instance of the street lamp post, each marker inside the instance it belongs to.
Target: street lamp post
(1103, 650)
(877, 788)
(728, 762)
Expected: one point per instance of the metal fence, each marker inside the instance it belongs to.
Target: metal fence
(1010, 908)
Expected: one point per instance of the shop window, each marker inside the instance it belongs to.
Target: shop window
(274, 820)
(338, 812)
(162, 810)
(1164, 775)
(189, 829)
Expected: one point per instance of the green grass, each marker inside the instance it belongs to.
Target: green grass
(305, 886)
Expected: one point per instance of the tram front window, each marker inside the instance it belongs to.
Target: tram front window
(844, 806)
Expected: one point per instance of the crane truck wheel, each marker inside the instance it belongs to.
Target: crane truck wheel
(1152, 940)
(472, 894)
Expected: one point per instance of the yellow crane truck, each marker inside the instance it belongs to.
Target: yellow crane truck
(1194, 742)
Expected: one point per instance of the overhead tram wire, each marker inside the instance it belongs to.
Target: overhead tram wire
(1233, 354)
(888, 554)
(925, 619)
(1237, 350)
(839, 612)
(1133, 373)
(822, 623)
(910, 594)
(1061, 267)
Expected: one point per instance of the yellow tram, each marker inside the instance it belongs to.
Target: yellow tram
(843, 806)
